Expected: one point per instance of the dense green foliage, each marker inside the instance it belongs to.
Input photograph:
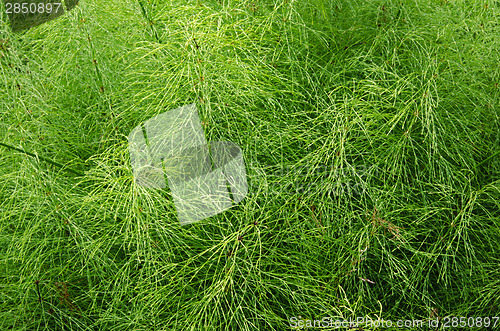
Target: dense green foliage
(371, 136)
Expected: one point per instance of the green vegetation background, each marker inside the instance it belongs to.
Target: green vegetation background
(397, 100)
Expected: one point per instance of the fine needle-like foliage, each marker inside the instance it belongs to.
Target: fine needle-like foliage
(371, 137)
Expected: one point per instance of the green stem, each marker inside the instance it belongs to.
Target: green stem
(43, 159)
(487, 159)
(149, 21)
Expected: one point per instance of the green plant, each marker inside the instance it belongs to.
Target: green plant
(312, 92)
